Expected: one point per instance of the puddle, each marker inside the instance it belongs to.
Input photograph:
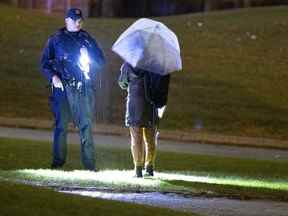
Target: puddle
(200, 205)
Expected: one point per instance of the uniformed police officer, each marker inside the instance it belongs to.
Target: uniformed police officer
(70, 62)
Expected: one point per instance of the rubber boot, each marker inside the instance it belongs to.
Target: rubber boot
(138, 172)
(149, 170)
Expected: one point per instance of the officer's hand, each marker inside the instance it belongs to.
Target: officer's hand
(57, 82)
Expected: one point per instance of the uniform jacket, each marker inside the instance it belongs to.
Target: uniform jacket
(61, 55)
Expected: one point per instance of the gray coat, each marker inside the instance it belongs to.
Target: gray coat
(140, 110)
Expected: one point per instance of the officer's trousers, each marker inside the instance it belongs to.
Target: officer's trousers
(67, 105)
(144, 153)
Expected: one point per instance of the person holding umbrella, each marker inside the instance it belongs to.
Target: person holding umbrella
(145, 74)
(143, 101)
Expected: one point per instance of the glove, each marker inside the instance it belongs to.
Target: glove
(57, 82)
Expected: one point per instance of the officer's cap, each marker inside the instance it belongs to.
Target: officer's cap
(74, 13)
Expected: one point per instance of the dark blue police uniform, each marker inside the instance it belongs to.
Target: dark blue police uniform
(61, 57)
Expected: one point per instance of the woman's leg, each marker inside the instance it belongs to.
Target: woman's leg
(150, 149)
(137, 149)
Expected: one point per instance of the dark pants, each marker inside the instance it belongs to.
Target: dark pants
(76, 105)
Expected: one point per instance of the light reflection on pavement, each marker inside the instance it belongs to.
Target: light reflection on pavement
(200, 205)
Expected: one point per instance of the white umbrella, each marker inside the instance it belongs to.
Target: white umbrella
(151, 46)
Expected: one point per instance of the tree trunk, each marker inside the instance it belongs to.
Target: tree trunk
(99, 8)
(85, 7)
(15, 2)
(237, 3)
(67, 4)
(107, 8)
(246, 3)
(211, 5)
(49, 6)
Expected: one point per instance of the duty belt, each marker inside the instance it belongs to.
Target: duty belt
(79, 86)
(71, 82)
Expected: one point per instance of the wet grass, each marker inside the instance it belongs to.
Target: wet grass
(186, 173)
(234, 78)
(18, 199)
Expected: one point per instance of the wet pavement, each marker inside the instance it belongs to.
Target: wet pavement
(200, 205)
(163, 145)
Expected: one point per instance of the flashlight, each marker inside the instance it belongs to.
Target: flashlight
(84, 62)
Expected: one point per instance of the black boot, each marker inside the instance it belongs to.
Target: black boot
(56, 166)
(138, 171)
(149, 170)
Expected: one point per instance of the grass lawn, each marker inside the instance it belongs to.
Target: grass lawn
(19, 200)
(184, 173)
(234, 78)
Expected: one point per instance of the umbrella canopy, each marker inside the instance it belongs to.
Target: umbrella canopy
(151, 46)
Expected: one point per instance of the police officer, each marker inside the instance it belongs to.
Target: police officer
(70, 62)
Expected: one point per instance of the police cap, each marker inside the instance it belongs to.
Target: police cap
(74, 13)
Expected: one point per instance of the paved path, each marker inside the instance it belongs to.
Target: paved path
(201, 205)
(179, 135)
(163, 145)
